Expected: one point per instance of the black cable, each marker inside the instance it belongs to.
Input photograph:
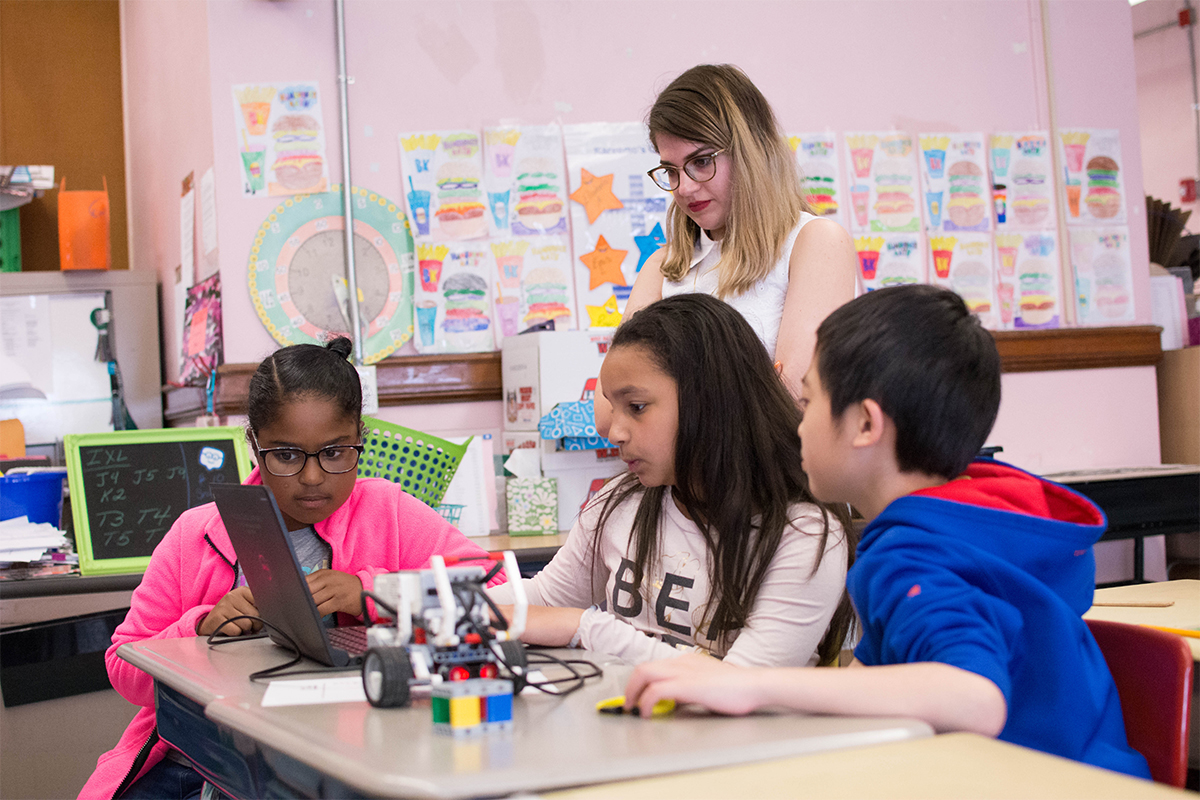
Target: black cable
(214, 641)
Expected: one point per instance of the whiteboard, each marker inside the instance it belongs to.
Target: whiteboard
(49, 376)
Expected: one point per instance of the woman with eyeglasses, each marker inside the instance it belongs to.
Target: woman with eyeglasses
(305, 428)
(739, 228)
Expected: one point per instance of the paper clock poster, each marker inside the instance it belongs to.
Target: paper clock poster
(453, 298)
(883, 182)
(820, 178)
(892, 259)
(282, 138)
(1027, 279)
(954, 179)
(1022, 170)
(202, 345)
(1103, 275)
(534, 283)
(963, 262)
(618, 215)
(443, 171)
(525, 180)
(1094, 187)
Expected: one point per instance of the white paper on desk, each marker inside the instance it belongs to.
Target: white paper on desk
(537, 676)
(316, 692)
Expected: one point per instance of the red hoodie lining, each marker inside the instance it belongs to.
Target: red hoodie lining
(1001, 487)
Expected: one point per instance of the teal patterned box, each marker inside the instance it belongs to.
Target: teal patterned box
(532, 506)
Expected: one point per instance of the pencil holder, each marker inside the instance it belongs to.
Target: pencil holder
(423, 465)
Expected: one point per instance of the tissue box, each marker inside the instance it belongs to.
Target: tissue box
(541, 369)
(573, 426)
(532, 506)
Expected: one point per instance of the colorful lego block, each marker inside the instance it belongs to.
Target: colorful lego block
(472, 707)
(464, 712)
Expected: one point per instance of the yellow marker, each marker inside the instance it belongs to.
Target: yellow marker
(616, 705)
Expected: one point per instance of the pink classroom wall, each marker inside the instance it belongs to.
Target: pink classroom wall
(1164, 88)
(169, 133)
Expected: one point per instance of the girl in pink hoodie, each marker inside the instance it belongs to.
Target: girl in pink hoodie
(305, 427)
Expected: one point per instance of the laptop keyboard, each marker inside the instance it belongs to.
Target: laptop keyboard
(352, 639)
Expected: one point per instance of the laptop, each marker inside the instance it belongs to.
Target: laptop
(259, 537)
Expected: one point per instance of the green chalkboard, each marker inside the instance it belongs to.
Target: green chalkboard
(129, 487)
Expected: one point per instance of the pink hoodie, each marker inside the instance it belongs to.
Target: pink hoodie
(193, 568)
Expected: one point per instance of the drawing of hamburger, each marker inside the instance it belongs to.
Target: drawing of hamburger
(818, 183)
(539, 206)
(1029, 203)
(545, 290)
(1103, 198)
(298, 163)
(894, 205)
(1037, 302)
(466, 303)
(966, 209)
(459, 213)
(973, 282)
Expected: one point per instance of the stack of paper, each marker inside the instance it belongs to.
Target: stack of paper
(24, 541)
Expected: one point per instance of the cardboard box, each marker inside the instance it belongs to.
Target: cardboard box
(1179, 406)
(577, 485)
(540, 370)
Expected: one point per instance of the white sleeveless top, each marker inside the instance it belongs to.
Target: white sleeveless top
(762, 303)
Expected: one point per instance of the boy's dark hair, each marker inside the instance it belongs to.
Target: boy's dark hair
(736, 456)
(304, 370)
(919, 352)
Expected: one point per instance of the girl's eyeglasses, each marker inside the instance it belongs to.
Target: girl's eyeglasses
(284, 462)
(699, 168)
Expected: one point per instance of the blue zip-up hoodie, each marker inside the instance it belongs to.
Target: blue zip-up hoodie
(992, 573)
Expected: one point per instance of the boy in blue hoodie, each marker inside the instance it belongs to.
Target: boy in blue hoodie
(971, 578)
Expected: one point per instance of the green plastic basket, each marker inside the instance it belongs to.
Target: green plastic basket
(422, 464)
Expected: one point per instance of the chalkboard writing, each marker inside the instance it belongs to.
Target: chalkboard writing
(128, 493)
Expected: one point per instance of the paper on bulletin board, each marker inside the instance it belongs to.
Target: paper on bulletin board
(202, 332)
(618, 215)
(1103, 274)
(820, 177)
(208, 211)
(534, 283)
(443, 175)
(890, 259)
(453, 298)
(1028, 285)
(963, 262)
(1094, 187)
(282, 136)
(526, 181)
(883, 182)
(954, 182)
(1022, 171)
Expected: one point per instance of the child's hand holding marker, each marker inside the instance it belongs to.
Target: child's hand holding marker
(693, 679)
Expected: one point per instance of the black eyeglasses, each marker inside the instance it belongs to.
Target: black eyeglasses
(701, 169)
(284, 462)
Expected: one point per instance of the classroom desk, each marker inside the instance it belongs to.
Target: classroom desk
(208, 709)
(1184, 614)
(946, 767)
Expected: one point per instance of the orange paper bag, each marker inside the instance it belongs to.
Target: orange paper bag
(83, 240)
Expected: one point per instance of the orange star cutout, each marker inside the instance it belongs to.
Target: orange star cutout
(605, 316)
(604, 264)
(595, 194)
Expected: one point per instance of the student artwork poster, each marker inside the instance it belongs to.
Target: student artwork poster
(525, 180)
(963, 262)
(820, 178)
(534, 283)
(443, 173)
(954, 182)
(1094, 187)
(453, 298)
(1022, 181)
(892, 259)
(618, 215)
(883, 182)
(1028, 287)
(1103, 275)
(282, 138)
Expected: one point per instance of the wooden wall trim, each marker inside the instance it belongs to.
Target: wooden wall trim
(409, 380)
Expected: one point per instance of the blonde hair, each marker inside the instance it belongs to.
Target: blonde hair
(717, 105)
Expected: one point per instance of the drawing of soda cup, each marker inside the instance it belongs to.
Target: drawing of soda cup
(860, 194)
(508, 309)
(429, 263)
(498, 202)
(418, 205)
(253, 161)
(1000, 199)
(1073, 192)
(933, 200)
(426, 317)
(1005, 291)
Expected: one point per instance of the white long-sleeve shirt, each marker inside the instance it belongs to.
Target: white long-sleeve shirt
(789, 618)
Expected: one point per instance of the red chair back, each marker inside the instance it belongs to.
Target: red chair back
(1153, 673)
